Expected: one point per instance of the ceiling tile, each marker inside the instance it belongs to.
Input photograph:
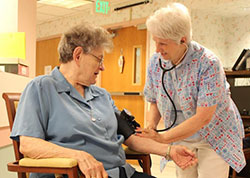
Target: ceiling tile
(41, 18)
(56, 11)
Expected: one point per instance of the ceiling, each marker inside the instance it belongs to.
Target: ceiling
(228, 8)
(47, 13)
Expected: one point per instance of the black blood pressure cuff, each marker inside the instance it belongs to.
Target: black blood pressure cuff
(126, 123)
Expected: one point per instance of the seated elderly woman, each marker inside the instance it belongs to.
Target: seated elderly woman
(65, 115)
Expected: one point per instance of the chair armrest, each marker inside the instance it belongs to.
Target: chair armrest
(48, 162)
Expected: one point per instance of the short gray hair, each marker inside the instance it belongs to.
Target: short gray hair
(171, 22)
(85, 35)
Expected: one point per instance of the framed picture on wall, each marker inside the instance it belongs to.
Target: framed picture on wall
(240, 63)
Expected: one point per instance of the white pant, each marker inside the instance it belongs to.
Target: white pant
(210, 164)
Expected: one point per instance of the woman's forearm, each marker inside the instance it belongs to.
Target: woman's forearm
(153, 116)
(190, 126)
(146, 145)
(38, 148)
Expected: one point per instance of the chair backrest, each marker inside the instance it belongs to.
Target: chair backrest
(11, 101)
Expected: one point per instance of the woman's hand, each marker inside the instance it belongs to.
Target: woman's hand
(182, 156)
(90, 167)
(148, 133)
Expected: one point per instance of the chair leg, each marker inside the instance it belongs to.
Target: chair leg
(234, 174)
(146, 164)
(21, 175)
(73, 173)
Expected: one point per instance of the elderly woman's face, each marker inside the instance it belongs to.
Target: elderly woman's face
(90, 66)
(169, 49)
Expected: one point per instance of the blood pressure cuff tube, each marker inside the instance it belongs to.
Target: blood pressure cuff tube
(126, 124)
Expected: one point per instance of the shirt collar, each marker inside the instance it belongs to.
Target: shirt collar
(91, 93)
(62, 85)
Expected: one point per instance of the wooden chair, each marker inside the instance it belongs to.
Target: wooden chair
(23, 165)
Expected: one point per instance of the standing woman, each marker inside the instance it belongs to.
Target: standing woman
(187, 87)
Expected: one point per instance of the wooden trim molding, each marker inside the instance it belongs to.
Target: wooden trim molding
(125, 24)
(5, 136)
(49, 37)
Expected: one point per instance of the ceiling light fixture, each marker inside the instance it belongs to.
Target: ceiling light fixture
(65, 3)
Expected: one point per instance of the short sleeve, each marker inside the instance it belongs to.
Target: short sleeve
(31, 113)
(149, 93)
(212, 83)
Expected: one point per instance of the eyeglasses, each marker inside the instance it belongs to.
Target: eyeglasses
(100, 60)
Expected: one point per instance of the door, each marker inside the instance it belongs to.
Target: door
(131, 44)
(46, 54)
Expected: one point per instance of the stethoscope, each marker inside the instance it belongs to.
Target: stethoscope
(165, 90)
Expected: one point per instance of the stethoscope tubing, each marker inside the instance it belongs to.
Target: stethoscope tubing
(165, 90)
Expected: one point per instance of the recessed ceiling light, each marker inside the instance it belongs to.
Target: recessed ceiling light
(65, 3)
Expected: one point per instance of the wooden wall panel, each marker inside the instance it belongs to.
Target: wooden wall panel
(46, 54)
(111, 78)
(135, 104)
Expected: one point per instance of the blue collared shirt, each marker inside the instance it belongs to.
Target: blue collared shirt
(199, 81)
(50, 108)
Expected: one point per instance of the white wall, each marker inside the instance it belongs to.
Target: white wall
(209, 31)
(237, 38)
(8, 9)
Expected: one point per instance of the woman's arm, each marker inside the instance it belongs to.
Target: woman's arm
(182, 156)
(153, 116)
(186, 129)
(38, 148)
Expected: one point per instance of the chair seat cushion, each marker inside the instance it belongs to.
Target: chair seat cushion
(48, 162)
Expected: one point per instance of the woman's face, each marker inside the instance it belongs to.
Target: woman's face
(89, 67)
(169, 49)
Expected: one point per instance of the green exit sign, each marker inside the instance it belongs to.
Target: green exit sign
(102, 7)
